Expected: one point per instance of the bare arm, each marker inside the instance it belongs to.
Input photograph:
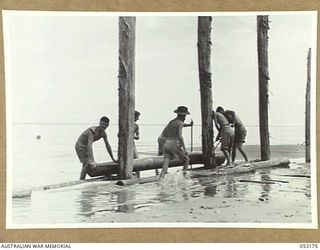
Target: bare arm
(108, 147)
(90, 141)
(188, 124)
(217, 127)
(136, 135)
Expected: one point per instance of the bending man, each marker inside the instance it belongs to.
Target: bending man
(240, 134)
(84, 146)
(225, 134)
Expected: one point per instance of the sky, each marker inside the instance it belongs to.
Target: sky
(63, 67)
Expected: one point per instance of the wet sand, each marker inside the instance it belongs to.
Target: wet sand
(288, 200)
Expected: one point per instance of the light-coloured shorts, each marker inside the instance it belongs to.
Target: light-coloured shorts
(172, 150)
(82, 153)
(227, 136)
(240, 135)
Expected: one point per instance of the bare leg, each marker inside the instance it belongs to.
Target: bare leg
(156, 171)
(185, 166)
(226, 155)
(234, 152)
(138, 174)
(186, 163)
(83, 172)
(239, 146)
(165, 166)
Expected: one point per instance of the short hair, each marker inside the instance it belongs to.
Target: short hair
(220, 109)
(104, 119)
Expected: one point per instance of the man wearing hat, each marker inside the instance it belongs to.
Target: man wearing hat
(174, 146)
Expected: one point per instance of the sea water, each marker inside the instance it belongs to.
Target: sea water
(44, 154)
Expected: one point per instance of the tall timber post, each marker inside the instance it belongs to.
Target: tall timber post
(127, 26)
(262, 30)
(204, 63)
(307, 118)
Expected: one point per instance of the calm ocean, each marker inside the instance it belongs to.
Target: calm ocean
(52, 159)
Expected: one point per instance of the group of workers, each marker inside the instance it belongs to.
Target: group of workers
(231, 135)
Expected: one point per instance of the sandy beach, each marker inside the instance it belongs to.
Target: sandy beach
(286, 201)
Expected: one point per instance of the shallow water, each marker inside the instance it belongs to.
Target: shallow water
(95, 202)
(52, 159)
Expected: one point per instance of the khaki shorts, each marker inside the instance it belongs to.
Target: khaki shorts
(240, 136)
(227, 136)
(83, 154)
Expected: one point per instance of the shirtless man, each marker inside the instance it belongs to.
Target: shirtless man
(174, 146)
(136, 133)
(225, 134)
(136, 136)
(84, 146)
(240, 134)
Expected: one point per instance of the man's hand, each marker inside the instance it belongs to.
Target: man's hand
(92, 164)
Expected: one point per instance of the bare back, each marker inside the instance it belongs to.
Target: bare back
(174, 129)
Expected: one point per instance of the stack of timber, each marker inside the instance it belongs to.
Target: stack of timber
(22, 193)
(149, 163)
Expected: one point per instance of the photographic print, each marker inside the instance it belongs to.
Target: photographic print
(160, 119)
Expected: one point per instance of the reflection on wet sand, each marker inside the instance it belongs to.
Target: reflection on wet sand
(23, 203)
(210, 191)
(116, 201)
(125, 200)
(266, 187)
(174, 189)
(231, 187)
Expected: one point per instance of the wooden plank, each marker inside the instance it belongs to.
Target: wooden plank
(260, 182)
(137, 181)
(241, 168)
(284, 162)
(22, 193)
(70, 183)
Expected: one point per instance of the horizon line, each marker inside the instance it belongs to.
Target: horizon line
(140, 124)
